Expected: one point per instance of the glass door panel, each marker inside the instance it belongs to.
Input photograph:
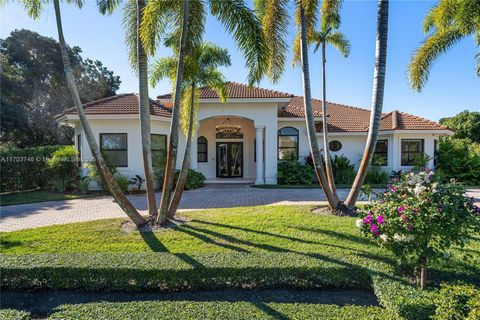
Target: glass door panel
(222, 160)
(229, 159)
(236, 158)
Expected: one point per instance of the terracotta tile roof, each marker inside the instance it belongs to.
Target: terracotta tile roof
(120, 104)
(238, 91)
(343, 118)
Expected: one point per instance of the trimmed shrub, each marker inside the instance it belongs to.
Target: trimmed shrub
(209, 310)
(174, 272)
(12, 314)
(25, 169)
(458, 302)
(459, 159)
(375, 175)
(194, 180)
(343, 171)
(292, 172)
(63, 163)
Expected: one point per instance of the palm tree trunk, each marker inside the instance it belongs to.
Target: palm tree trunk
(310, 122)
(326, 151)
(102, 168)
(377, 100)
(173, 141)
(182, 177)
(144, 109)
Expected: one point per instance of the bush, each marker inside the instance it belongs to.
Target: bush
(59, 184)
(63, 164)
(210, 310)
(174, 272)
(123, 182)
(84, 185)
(458, 302)
(459, 159)
(12, 314)
(419, 219)
(343, 171)
(194, 180)
(95, 175)
(292, 172)
(24, 169)
(375, 175)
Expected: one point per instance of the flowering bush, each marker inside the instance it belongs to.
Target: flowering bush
(418, 218)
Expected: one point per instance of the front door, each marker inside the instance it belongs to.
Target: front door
(229, 159)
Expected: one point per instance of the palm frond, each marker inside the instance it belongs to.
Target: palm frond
(246, 28)
(215, 80)
(163, 68)
(259, 8)
(339, 42)
(477, 57)
(33, 7)
(296, 47)
(129, 22)
(157, 16)
(213, 56)
(423, 58)
(330, 14)
(108, 6)
(185, 109)
(275, 20)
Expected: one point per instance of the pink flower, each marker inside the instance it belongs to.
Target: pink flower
(394, 189)
(380, 219)
(374, 230)
(404, 218)
(409, 227)
(367, 219)
(400, 209)
(415, 209)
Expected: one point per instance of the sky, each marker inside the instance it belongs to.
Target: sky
(452, 86)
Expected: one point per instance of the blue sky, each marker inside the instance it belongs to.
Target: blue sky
(452, 87)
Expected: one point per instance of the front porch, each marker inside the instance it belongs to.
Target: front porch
(235, 156)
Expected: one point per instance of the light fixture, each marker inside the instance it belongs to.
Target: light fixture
(228, 128)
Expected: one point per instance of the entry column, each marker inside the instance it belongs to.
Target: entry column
(259, 152)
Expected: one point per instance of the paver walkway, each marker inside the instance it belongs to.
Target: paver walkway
(25, 216)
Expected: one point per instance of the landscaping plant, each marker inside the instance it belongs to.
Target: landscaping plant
(292, 172)
(137, 181)
(419, 218)
(457, 302)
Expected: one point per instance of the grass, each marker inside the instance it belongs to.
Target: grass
(248, 247)
(38, 196)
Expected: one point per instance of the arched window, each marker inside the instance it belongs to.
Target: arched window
(202, 149)
(288, 144)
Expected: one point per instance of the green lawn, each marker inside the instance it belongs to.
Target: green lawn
(38, 196)
(264, 247)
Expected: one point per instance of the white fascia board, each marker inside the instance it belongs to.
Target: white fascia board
(73, 118)
(240, 100)
(390, 132)
(296, 119)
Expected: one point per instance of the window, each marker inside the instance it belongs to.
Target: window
(288, 144)
(412, 150)
(114, 147)
(380, 155)
(202, 149)
(159, 148)
(335, 145)
(79, 150)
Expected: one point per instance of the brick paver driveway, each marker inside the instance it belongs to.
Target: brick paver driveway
(34, 215)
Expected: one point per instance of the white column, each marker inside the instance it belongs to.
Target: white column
(193, 149)
(259, 151)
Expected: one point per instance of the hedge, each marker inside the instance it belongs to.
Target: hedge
(217, 310)
(12, 314)
(174, 272)
(25, 169)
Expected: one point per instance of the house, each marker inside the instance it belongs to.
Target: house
(243, 139)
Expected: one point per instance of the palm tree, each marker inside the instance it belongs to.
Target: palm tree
(34, 8)
(238, 19)
(275, 22)
(201, 70)
(330, 20)
(447, 22)
(377, 101)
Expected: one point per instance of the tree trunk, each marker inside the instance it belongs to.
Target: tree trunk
(182, 177)
(144, 110)
(423, 272)
(326, 151)
(173, 141)
(102, 168)
(310, 122)
(377, 101)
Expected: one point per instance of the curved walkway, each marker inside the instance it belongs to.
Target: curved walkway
(33, 215)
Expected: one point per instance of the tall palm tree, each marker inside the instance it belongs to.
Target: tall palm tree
(330, 21)
(445, 24)
(275, 23)
(246, 29)
(377, 101)
(34, 9)
(201, 70)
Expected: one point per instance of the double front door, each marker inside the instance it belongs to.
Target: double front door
(229, 159)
